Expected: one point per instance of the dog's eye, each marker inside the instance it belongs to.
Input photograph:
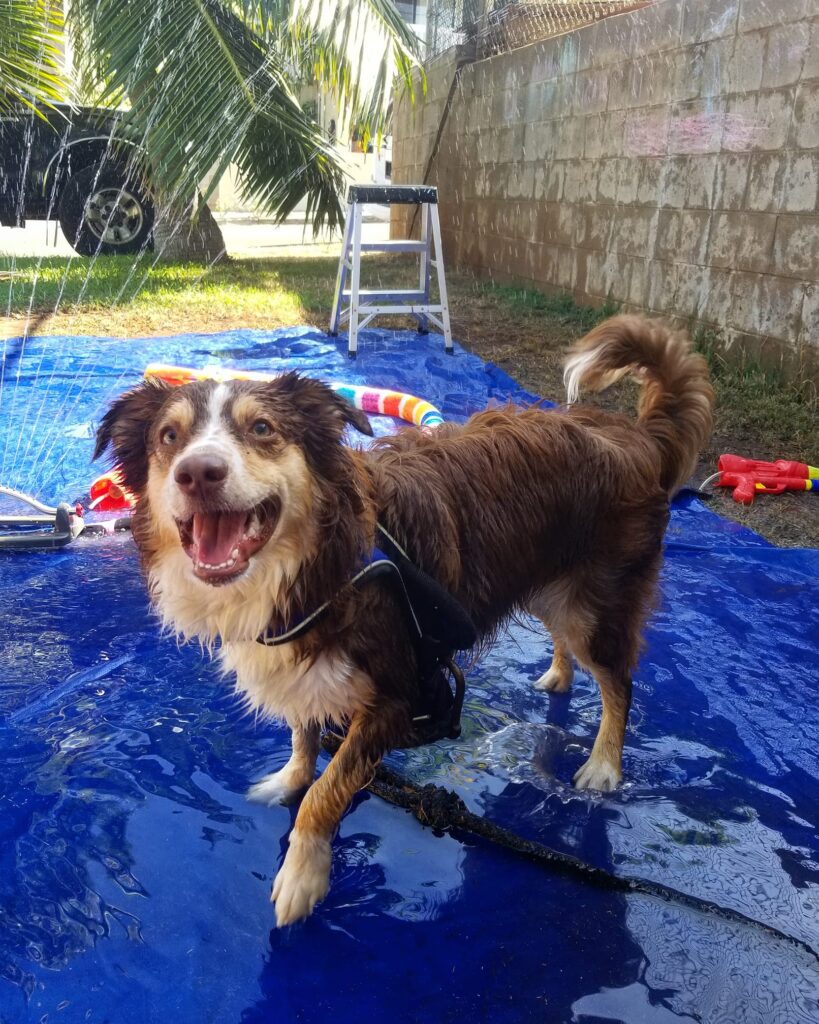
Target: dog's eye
(261, 428)
(167, 436)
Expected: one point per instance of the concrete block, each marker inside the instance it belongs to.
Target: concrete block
(695, 226)
(555, 177)
(667, 238)
(745, 64)
(638, 283)
(607, 180)
(805, 127)
(656, 28)
(652, 77)
(589, 173)
(766, 179)
(662, 286)
(628, 181)
(743, 241)
(674, 182)
(646, 131)
(648, 188)
(758, 121)
(593, 227)
(539, 140)
(569, 138)
(703, 20)
(567, 217)
(800, 191)
(731, 181)
(552, 58)
(810, 69)
(591, 91)
(634, 232)
(696, 127)
(605, 43)
(763, 304)
(796, 252)
(573, 181)
(613, 132)
(510, 143)
(716, 67)
(702, 172)
(619, 85)
(692, 291)
(809, 332)
(594, 136)
(785, 54)
(547, 222)
(764, 13)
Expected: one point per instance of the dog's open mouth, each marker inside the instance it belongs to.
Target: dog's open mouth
(221, 543)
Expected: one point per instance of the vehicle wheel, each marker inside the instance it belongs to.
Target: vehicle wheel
(106, 211)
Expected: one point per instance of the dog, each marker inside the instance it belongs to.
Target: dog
(251, 512)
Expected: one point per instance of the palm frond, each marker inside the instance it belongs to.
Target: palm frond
(359, 48)
(204, 91)
(31, 48)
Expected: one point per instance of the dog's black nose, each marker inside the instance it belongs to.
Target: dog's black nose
(201, 475)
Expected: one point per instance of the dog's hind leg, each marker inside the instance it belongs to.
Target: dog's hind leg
(285, 786)
(558, 677)
(304, 877)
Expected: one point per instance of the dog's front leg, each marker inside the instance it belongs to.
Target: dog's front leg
(304, 877)
(286, 785)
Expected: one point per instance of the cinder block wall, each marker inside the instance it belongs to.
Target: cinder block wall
(667, 158)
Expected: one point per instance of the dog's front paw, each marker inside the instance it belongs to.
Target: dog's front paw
(597, 773)
(303, 879)
(282, 787)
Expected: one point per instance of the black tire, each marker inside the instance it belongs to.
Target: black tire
(104, 210)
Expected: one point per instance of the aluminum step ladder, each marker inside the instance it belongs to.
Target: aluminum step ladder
(365, 303)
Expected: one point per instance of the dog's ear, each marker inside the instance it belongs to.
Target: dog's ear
(316, 400)
(124, 428)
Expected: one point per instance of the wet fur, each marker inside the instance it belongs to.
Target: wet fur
(557, 513)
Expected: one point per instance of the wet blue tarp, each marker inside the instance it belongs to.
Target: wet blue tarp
(134, 877)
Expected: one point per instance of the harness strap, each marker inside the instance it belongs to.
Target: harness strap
(380, 565)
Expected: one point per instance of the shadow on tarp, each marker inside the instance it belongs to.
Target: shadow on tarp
(134, 877)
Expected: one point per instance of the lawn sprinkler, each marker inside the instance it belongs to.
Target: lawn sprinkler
(45, 527)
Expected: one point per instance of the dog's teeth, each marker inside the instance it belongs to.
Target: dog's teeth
(234, 554)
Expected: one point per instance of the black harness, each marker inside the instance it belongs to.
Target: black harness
(438, 625)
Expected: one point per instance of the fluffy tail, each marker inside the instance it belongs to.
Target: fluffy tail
(677, 400)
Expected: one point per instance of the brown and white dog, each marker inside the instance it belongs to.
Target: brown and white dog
(252, 513)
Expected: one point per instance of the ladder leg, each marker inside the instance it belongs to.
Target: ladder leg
(341, 276)
(352, 344)
(423, 282)
(439, 266)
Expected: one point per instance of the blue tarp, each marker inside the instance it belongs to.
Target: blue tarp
(134, 876)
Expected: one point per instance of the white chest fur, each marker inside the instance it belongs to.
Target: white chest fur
(274, 682)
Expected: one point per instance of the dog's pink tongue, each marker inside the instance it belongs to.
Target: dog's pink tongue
(216, 534)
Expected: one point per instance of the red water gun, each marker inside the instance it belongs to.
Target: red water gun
(750, 477)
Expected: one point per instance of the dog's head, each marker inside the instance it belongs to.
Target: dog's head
(229, 470)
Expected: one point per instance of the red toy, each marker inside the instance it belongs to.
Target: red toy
(750, 477)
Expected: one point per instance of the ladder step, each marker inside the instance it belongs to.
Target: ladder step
(396, 294)
(395, 245)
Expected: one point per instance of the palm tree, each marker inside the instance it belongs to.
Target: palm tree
(208, 83)
(31, 37)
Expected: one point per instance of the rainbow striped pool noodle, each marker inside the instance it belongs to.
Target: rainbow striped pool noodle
(397, 404)
(376, 401)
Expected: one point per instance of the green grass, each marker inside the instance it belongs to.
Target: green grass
(560, 307)
(755, 402)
